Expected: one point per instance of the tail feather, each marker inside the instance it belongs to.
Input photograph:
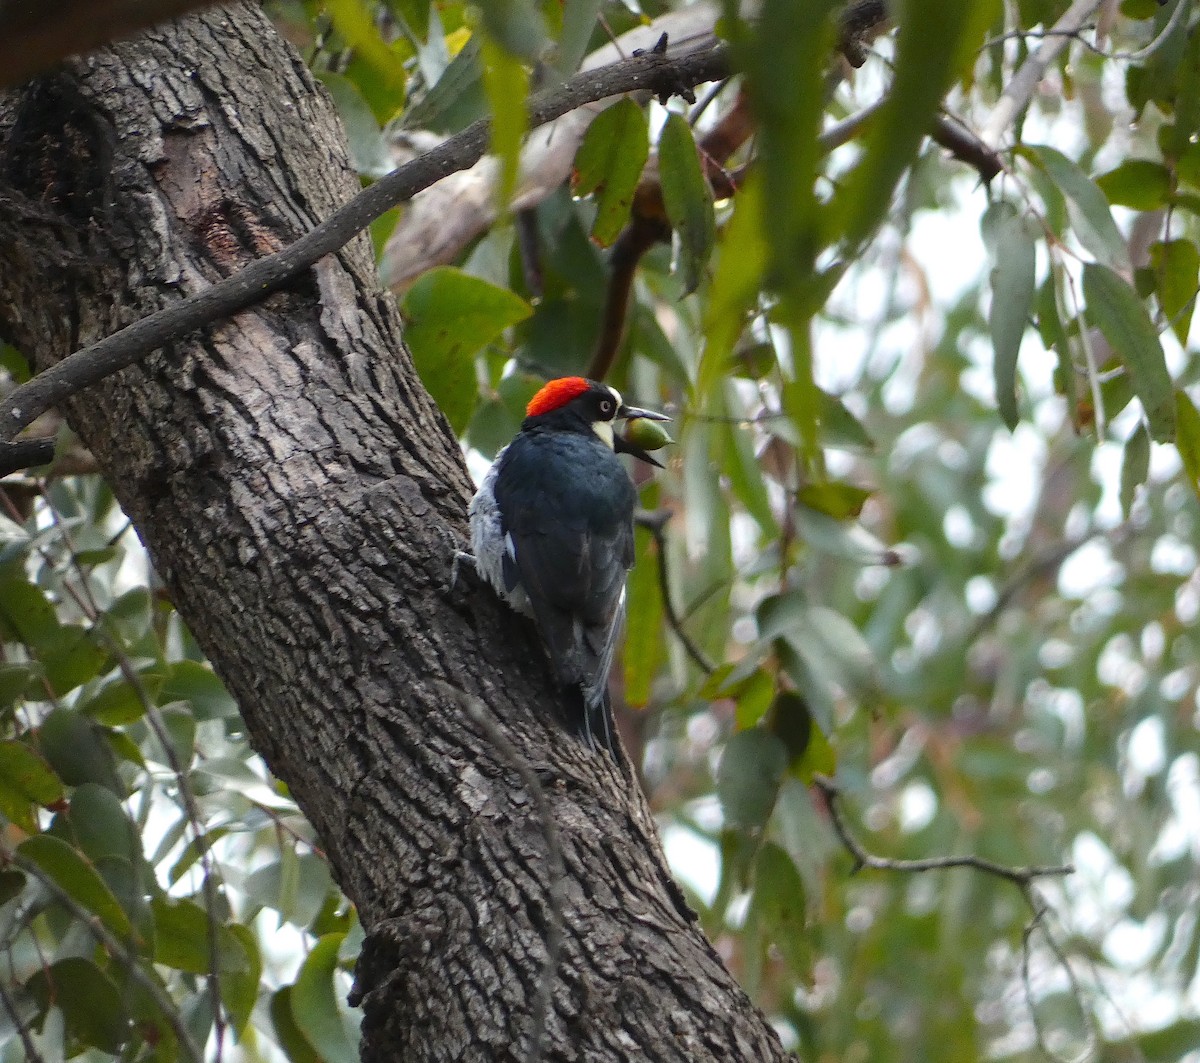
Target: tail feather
(592, 719)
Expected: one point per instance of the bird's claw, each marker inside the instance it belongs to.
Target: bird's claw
(459, 557)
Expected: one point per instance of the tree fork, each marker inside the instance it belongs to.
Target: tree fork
(301, 497)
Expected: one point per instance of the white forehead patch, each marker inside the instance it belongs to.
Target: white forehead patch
(616, 396)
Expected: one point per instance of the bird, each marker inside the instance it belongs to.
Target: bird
(552, 534)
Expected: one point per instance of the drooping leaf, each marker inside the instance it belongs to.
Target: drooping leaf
(1176, 268)
(741, 264)
(609, 163)
(198, 685)
(332, 1032)
(506, 82)
(26, 780)
(78, 878)
(377, 73)
(748, 777)
(644, 646)
(1013, 265)
(1141, 184)
(1135, 465)
(77, 750)
(287, 1033)
(1187, 439)
(1115, 308)
(1091, 217)
(89, 999)
(450, 316)
(687, 197)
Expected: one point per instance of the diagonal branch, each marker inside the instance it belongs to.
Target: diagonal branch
(661, 74)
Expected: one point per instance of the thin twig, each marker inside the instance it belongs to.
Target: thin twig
(1019, 876)
(1017, 92)
(557, 889)
(32, 1055)
(1040, 910)
(661, 74)
(115, 947)
(655, 523)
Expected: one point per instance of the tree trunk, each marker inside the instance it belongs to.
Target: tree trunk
(301, 498)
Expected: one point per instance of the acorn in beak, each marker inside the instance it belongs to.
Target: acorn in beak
(642, 434)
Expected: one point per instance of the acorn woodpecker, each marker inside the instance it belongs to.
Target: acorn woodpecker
(552, 532)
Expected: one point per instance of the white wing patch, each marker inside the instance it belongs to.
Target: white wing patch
(489, 543)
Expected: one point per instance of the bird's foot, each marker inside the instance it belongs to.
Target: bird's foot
(456, 562)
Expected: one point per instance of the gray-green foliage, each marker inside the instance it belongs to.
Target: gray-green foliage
(934, 497)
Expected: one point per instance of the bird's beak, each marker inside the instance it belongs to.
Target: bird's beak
(630, 413)
(621, 445)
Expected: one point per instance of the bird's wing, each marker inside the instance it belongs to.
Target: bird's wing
(572, 560)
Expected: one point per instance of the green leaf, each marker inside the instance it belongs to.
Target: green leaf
(14, 681)
(368, 149)
(516, 25)
(287, 1033)
(11, 884)
(609, 163)
(376, 68)
(1013, 264)
(1115, 308)
(1187, 423)
(25, 780)
(578, 23)
(450, 316)
(748, 777)
(785, 59)
(506, 83)
(72, 657)
(89, 999)
(839, 427)
(1135, 464)
(330, 1031)
(839, 500)
(101, 826)
(779, 902)
(181, 940)
(1176, 267)
(734, 294)
(115, 704)
(295, 886)
(77, 877)
(77, 750)
(1139, 184)
(26, 614)
(239, 985)
(644, 646)
(198, 684)
(1090, 215)
(688, 199)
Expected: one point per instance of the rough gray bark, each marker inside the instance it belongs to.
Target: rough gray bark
(301, 498)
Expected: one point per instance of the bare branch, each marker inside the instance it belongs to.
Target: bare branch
(25, 454)
(653, 72)
(1019, 876)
